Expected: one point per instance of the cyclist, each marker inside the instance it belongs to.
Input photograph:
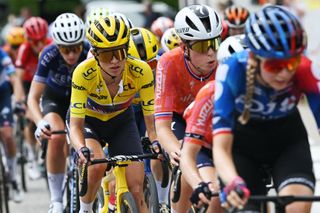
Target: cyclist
(100, 112)
(180, 74)
(229, 46)
(14, 39)
(143, 45)
(265, 85)
(36, 30)
(52, 85)
(170, 40)
(7, 71)
(196, 152)
(235, 18)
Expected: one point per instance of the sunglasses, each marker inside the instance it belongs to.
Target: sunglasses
(277, 65)
(107, 55)
(153, 63)
(204, 45)
(68, 49)
(14, 47)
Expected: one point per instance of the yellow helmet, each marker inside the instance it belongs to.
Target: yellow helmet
(170, 39)
(15, 36)
(143, 44)
(108, 32)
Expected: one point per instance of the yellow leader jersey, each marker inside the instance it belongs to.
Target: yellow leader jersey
(90, 95)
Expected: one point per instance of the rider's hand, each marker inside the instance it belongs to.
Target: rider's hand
(43, 130)
(82, 156)
(20, 108)
(175, 158)
(201, 195)
(235, 194)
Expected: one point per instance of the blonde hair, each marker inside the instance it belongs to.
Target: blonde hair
(250, 77)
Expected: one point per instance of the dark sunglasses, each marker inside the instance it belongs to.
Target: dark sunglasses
(68, 49)
(203, 46)
(106, 56)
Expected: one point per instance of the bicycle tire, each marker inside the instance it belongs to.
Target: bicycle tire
(127, 205)
(23, 152)
(4, 188)
(74, 190)
(151, 193)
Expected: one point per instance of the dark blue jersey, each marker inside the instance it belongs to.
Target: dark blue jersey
(54, 72)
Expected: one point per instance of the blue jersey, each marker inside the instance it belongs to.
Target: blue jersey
(267, 103)
(6, 68)
(54, 72)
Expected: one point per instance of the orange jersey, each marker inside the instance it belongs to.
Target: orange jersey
(198, 117)
(176, 85)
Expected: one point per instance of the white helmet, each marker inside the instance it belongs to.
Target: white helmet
(96, 13)
(126, 20)
(229, 46)
(198, 22)
(68, 29)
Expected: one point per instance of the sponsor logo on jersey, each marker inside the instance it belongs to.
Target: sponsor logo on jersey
(77, 86)
(98, 96)
(127, 87)
(78, 105)
(136, 69)
(148, 85)
(148, 103)
(89, 74)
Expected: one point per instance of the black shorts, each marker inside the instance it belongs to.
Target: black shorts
(121, 133)
(6, 113)
(204, 158)
(52, 103)
(178, 126)
(281, 145)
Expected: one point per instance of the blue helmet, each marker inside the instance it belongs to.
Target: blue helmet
(274, 32)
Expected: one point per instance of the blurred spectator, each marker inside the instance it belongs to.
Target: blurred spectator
(80, 11)
(12, 22)
(25, 13)
(150, 15)
(297, 7)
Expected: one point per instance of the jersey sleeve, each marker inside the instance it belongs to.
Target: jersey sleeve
(198, 116)
(43, 69)
(224, 100)
(308, 77)
(21, 56)
(79, 91)
(165, 90)
(7, 64)
(147, 91)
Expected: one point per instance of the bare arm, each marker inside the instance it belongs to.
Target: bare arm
(188, 164)
(166, 137)
(76, 132)
(34, 96)
(20, 73)
(17, 88)
(222, 154)
(149, 121)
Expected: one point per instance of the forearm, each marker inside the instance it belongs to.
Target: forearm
(188, 164)
(34, 107)
(222, 154)
(150, 126)
(167, 139)
(17, 88)
(76, 133)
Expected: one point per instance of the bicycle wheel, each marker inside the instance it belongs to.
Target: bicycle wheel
(127, 203)
(151, 193)
(74, 190)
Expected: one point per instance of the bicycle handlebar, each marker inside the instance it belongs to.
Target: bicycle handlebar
(113, 160)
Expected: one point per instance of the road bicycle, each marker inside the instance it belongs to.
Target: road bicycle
(124, 199)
